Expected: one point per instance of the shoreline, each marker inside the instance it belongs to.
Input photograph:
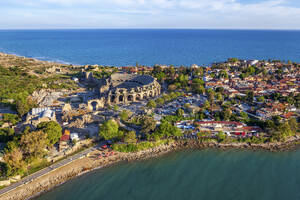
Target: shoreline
(85, 165)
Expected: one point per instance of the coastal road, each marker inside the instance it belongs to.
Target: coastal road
(46, 170)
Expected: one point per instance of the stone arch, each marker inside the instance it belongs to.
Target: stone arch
(121, 98)
(130, 98)
(94, 105)
(138, 97)
(151, 93)
(112, 98)
(145, 96)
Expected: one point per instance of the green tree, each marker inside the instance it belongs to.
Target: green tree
(160, 101)
(53, 131)
(116, 108)
(11, 118)
(148, 124)
(167, 130)
(151, 104)
(110, 130)
(125, 115)
(221, 136)
(130, 137)
(34, 143)
(14, 161)
(294, 126)
(179, 112)
(206, 104)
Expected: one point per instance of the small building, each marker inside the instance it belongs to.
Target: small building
(74, 136)
(64, 142)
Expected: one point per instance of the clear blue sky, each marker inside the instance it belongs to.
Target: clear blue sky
(222, 14)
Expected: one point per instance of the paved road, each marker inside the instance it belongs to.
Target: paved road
(46, 170)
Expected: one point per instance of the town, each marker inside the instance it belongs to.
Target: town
(132, 108)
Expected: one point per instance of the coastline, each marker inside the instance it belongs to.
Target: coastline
(87, 164)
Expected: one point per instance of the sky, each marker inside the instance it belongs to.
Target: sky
(201, 14)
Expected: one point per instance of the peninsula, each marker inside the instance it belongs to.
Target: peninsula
(58, 121)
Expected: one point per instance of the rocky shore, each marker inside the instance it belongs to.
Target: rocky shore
(86, 164)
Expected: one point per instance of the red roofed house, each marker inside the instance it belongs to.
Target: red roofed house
(64, 142)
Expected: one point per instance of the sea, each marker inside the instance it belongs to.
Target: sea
(197, 174)
(126, 47)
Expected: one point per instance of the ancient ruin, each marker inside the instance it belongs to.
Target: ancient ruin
(121, 88)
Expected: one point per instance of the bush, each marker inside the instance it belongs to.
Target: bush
(11, 118)
(139, 146)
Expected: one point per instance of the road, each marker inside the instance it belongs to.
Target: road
(46, 170)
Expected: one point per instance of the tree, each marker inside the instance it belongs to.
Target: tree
(6, 134)
(24, 105)
(151, 104)
(244, 116)
(11, 118)
(219, 97)
(148, 124)
(293, 125)
(116, 108)
(167, 130)
(221, 136)
(261, 99)
(14, 161)
(225, 114)
(130, 137)
(110, 130)
(166, 97)
(53, 131)
(160, 101)
(206, 104)
(34, 143)
(179, 112)
(125, 114)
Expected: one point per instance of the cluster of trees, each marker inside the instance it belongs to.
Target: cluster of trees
(30, 145)
(125, 115)
(165, 130)
(12, 119)
(110, 130)
(279, 130)
(164, 99)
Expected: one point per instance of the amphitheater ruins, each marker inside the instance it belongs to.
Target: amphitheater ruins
(121, 88)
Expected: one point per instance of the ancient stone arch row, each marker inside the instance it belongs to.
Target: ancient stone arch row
(132, 97)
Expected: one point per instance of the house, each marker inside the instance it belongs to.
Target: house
(74, 136)
(64, 142)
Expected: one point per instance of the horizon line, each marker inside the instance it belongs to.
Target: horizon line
(147, 28)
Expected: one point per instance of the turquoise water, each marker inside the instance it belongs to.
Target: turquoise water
(207, 174)
(149, 47)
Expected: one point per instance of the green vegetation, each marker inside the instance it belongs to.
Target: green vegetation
(148, 124)
(17, 84)
(110, 130)
(151, 104)
(11, 118)
(6, 134)
(166, 130)
(130, 137)
(125, 115)
(139, 146)
(53, 131)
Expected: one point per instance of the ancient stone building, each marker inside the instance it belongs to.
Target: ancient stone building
(122, 88)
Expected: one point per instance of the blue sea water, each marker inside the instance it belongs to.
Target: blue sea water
(150, 46)
(192, 175)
